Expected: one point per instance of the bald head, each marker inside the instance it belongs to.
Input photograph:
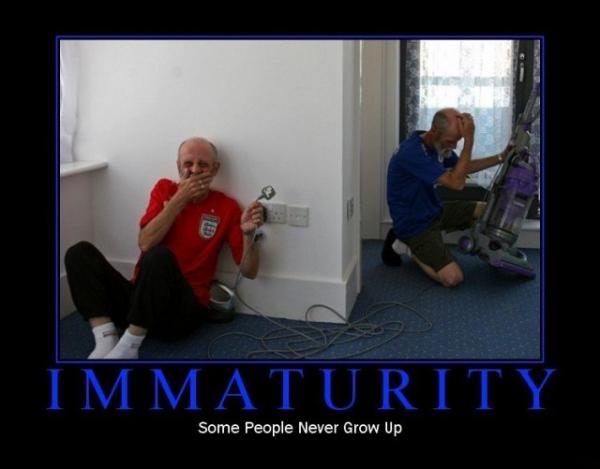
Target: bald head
(197, 144)
(445, 119)
(445, 130)
(197, 155)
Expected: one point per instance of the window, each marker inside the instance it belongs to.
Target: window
(475, 76)
(68, 55)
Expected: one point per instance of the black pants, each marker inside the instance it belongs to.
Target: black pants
(161, 300)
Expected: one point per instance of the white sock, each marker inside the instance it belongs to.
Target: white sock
(400, 248)
(106, 336)
(127, 348)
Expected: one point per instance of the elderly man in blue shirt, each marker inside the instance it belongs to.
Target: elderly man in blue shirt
(422, 161)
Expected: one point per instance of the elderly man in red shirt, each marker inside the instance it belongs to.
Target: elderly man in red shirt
(181, 234)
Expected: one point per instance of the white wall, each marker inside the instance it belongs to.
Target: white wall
(76, 224)
(379, 131)
(372, 127)
(281, 113)
(351, 169)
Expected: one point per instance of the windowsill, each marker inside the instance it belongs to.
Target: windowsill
(530, 225)
(79, 167)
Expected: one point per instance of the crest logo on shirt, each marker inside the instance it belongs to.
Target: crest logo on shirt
(208, 225)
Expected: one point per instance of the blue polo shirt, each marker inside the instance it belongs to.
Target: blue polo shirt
(412, 174)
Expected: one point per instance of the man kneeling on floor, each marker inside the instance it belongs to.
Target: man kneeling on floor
(181, 234)
(420, 162)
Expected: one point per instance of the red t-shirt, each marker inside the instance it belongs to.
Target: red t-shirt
(197, 234)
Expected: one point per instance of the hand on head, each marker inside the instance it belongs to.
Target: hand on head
(466, 125)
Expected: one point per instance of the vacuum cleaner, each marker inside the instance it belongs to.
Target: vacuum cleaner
(515, 186)
(222, 297)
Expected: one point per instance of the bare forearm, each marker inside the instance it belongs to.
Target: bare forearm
(483, 163)
(249, 267)
(460, 171)
(154, 232)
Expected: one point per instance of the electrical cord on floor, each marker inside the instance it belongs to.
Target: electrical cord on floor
(308, 341)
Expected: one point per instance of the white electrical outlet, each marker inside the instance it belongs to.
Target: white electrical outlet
(297, 216)
(276, 213)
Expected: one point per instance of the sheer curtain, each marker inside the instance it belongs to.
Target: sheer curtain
(534, 144)
(474, 76)
(69, 74)
(536, 128)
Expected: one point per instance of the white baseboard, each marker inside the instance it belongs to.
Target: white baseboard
(278, 297)
(529, 237)
(289, 297)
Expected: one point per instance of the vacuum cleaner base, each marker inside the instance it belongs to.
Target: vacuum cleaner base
(515, 263)
(504, 258)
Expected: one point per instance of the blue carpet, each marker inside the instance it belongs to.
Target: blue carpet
(492, 315)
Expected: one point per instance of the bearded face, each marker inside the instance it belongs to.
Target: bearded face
(443, 152)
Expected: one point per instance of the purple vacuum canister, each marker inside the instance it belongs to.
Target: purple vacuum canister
(518, 190)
